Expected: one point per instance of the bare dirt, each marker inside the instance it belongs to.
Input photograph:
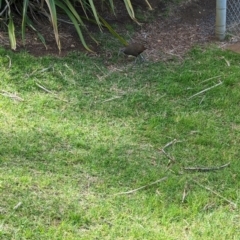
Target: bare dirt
(190, 24)
(235, 47)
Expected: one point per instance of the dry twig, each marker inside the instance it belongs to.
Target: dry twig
(206, 169)
(210, 78)
(185, 193)
(205, 90)
(110, 99)
(11, 95)
(172, 54)
(17, 206)
(48, 91)
(169, 144)
(172, 159)
(227, 62)
(72, 71)
(45, 89)
(216, 193)
(135, 190)
(45, 69)
(166, 154)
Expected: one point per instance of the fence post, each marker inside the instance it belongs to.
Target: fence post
(221, 9)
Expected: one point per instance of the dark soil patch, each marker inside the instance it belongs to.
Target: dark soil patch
(188, 25)
(191, 24)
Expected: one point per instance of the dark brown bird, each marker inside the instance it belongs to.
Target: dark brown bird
(134, 49)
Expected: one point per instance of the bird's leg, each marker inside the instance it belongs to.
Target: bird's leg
(142, 58)
(136, 60)
(120, 51)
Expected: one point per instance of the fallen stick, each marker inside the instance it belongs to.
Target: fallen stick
(206, 169)
(216, 193)
(166, 154)
(99, 69)
(172, 159)
(48, 91)
(227, 62)
(205, 90)
(169, 144)
(210, 78)
(185, 193)
(11, 95)
(43, 88)
(45, 69)
(17, 206)
(135, 190)
(172, 54)
(110, 99)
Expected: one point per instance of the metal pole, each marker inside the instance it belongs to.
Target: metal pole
(221, 9)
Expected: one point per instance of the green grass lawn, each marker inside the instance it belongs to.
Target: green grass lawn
(76, 136)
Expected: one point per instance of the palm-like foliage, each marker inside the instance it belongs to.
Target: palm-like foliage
(29, 10)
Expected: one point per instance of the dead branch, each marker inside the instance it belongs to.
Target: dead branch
(205, 90)
(172, 54)
(216, 193)
(11, 95)
(45, 89)
(135, 190)
(227, 62)
(110, 99)
(170, 143)
(45, 69)
(172, 159)
(48, 91)
(17, 206)
(165, 153)
(206, 169)
(99, 68)
(210, 78)
(185, 193)
(202, 100)
(72, 71)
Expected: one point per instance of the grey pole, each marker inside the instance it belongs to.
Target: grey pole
(221, 9)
